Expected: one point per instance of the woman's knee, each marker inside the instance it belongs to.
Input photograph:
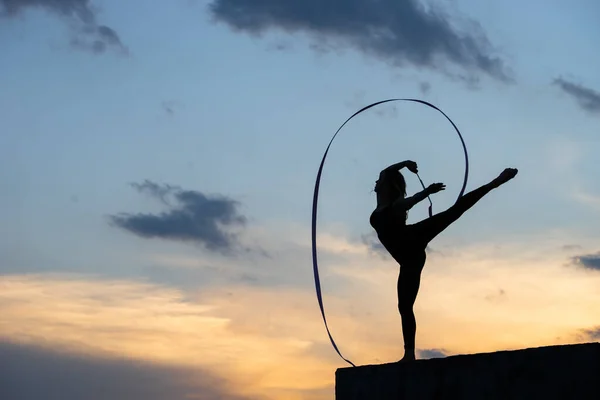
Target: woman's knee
(405, 308)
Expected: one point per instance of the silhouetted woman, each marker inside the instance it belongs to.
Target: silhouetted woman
(406, 243)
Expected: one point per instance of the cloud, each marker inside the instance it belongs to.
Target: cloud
(588, 261)
(80, 15)
(374, 245)
(224, 337)
(401, 32)
(220, 327)
(32, 372)
(194, 217)
(432, 353)
(587, 98)
(586, 335)
(592, 334)
(589, 199)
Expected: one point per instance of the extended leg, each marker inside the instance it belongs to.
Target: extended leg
(433, 226)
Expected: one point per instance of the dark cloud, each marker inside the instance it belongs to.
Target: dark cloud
(397, 31)
(31, 373)
(432, 353)
(425, 87)
(80, 15)
(592, 334)
(192, 217)
(587, 335)
(374, 245)
(589, 261)
(587, 98)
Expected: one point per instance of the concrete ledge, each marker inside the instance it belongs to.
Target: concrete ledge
(554, 372)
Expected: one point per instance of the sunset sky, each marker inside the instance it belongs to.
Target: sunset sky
(157, 162)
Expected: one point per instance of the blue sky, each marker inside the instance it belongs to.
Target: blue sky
(158, 160)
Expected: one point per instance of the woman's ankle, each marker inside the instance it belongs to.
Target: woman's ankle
(409, 353)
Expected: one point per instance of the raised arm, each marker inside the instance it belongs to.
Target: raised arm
(397, 166)
(405, 204)
(411, 165)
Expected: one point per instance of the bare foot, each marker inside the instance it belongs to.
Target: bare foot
(505, 176)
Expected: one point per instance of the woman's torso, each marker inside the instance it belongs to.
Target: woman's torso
(390, 227)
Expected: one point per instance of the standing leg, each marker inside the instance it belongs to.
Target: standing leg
(433, 226)
(408, 286)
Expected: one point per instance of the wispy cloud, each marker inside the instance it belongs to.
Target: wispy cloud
(219, 327)
(592, 334)
(588, 261)
(81, 17)
(30, 372)
(425, 87)
(432, 353)
(401, 32)
(586, 334)
(374, 245)
(583, 196)
(587, 98)
(219, 334)
(193, 217)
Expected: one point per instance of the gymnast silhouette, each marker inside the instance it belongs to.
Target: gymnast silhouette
(406, 243)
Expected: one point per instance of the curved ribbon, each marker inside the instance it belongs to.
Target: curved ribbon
(316, 199)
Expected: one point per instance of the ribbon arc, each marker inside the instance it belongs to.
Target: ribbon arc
(316, 200)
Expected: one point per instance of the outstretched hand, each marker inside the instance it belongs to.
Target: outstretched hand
(412, 166)
(436, 187)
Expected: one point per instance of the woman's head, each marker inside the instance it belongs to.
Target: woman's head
(391, 185)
